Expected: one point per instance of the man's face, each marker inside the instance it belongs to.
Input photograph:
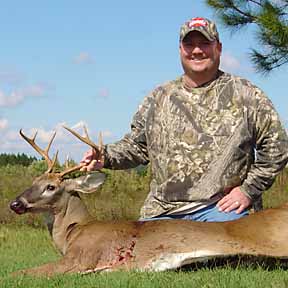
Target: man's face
(199, 56)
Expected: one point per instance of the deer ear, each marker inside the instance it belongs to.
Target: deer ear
(87, 183)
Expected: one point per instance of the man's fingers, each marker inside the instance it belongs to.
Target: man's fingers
(234, 205)
(228, 205)
(235, 200)
(92, 160)
(240, 209)
(90, 166)
(89, 156)
(222, 201)
(94, 165)
(94, 152)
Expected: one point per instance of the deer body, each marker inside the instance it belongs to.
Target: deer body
(88, 245)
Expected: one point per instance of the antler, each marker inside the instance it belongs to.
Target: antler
(43, 153)
(98, 148)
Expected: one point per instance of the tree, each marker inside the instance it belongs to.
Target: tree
(13, 159)
(270, 18)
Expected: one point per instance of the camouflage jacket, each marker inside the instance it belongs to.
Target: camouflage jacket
(202, 140)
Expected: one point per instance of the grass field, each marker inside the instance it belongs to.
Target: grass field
(24, 243)
(23, 247)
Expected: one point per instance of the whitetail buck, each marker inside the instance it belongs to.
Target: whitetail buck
(88, 245)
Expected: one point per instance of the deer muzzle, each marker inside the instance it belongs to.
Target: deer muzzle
(18, 206)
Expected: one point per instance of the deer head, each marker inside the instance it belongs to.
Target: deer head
(50, 190)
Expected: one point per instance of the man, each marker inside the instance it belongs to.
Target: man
(214, 140)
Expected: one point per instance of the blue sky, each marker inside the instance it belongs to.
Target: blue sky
(92, 62)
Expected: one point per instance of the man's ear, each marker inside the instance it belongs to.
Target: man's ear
(85, 184)
(219, 45)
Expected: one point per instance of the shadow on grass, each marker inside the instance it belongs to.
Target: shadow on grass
(239, 262)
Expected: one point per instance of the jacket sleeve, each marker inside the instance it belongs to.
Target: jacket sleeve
(271, 148)
(131, 150)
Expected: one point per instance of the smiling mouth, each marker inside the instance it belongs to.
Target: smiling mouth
(197, 60)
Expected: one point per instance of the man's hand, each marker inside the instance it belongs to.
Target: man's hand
(92, 161)
(235, 199)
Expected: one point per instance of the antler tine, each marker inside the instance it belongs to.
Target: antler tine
(101, 147)
(53, 162)
(86, 131)
(43, 153)
(70, 170)
(50, 142)
(88, 141)
(85, 139)
(100, 141)
(33, 138)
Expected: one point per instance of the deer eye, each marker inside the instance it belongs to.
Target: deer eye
(50, 187)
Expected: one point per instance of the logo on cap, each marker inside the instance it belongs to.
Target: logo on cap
(197, 22)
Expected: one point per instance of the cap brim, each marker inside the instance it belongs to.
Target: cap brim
(203, 32)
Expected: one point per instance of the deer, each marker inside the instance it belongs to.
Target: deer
(89, 246)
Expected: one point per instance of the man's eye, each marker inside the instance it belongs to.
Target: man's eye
(187, 44)
(50, 187)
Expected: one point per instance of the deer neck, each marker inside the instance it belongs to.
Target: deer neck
(71, 212)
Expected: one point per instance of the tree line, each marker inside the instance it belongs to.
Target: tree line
(16, 159)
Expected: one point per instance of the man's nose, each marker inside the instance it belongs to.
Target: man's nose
(197, 49)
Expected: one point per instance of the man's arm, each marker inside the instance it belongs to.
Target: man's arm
(130, 151)
(271, 155)
(271, 149)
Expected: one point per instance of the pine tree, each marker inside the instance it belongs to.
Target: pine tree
(270, 18)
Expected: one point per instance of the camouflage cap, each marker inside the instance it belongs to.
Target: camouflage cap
(203, 25)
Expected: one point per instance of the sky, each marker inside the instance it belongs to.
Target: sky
(91, 63)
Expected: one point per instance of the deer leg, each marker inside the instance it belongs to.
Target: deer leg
(69, 264)
(59, 267)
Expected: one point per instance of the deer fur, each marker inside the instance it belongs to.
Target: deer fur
(88, 245)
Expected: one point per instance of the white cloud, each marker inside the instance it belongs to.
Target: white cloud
(65, 142)
(107, 134)
(17, 96)
(10, 142)
(84, 58)
(3, 123)
(79, 128)
(229, 62)
(14, 147)
(42, 135)
(62, 135)
(10, 100)
(79, 125)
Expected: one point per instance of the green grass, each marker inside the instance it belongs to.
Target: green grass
(24, 244)
(23, 247)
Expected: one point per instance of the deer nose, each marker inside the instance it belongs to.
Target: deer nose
(18, 207)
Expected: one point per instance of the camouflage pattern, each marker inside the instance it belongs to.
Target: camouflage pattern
(203, 25)
(202, 140)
